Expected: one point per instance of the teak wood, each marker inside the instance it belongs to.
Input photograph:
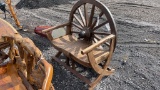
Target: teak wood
(90, 39)
(22, 66)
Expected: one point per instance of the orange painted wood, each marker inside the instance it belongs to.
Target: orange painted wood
(11, 80)
(23, 55)
(6, 29)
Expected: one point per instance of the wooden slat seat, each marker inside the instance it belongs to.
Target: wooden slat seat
(71, 46)
(11, 80)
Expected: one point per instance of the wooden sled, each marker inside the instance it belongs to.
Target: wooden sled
(22, 66)
(88, 38)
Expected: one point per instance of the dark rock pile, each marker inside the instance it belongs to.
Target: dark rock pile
(32, 4)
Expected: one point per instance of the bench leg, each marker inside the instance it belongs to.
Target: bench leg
(95, 82)
(58, 54)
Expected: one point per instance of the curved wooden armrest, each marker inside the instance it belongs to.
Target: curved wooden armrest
(54, 27)
(48, 75)
(88, 49)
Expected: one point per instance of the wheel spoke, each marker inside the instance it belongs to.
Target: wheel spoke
(86, 15)
(81, 15)
(100, 25)
(91, 15)
(79, 21)
(76, 25)
(101, 33)
(100, 15)
(93, 25)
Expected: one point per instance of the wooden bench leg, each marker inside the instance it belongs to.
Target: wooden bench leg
(67, 61)
(72, 71)
(73, 65)
(95, 82)
(58, 54)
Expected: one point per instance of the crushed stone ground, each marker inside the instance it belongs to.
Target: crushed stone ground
(138, 24)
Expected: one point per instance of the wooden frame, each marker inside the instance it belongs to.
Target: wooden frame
(26, 68)
(85, 42)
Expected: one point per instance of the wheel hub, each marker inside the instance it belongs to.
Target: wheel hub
(85, 33)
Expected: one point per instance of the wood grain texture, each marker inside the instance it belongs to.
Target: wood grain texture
(63, 44)
(24, 56)
(6, 29)
(83, 49)
(11, 80)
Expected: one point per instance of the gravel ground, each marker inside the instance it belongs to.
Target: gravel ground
(138, 24)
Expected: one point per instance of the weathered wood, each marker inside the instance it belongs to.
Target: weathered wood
(91, 15)
(6, 29)
(97, 44)
(79, 21)
(25, 81)
(54, 27)
(58, 54)
(76, 25)
(24, 56)
(101, 33)
(86, 14)
(84, 50)
(102, 24)
(48, 75)
(71, 70)
(81, 15)
(100, 15)
(98, 38)
(11, 80)
(4, 45)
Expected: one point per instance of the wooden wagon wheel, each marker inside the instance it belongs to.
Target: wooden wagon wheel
(92, 20)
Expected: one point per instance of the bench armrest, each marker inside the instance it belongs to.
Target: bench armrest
(54, 27)
(88, 49)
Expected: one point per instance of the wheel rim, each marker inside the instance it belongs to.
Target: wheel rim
(92, 20)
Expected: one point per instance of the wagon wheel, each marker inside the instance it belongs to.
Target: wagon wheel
(91, 20)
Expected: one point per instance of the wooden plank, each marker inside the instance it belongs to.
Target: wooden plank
(102, 57)
(55, 27)
(98, 38)
(97, 44)
(11, 80)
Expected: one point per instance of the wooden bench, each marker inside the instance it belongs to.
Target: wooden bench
(88, 38)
